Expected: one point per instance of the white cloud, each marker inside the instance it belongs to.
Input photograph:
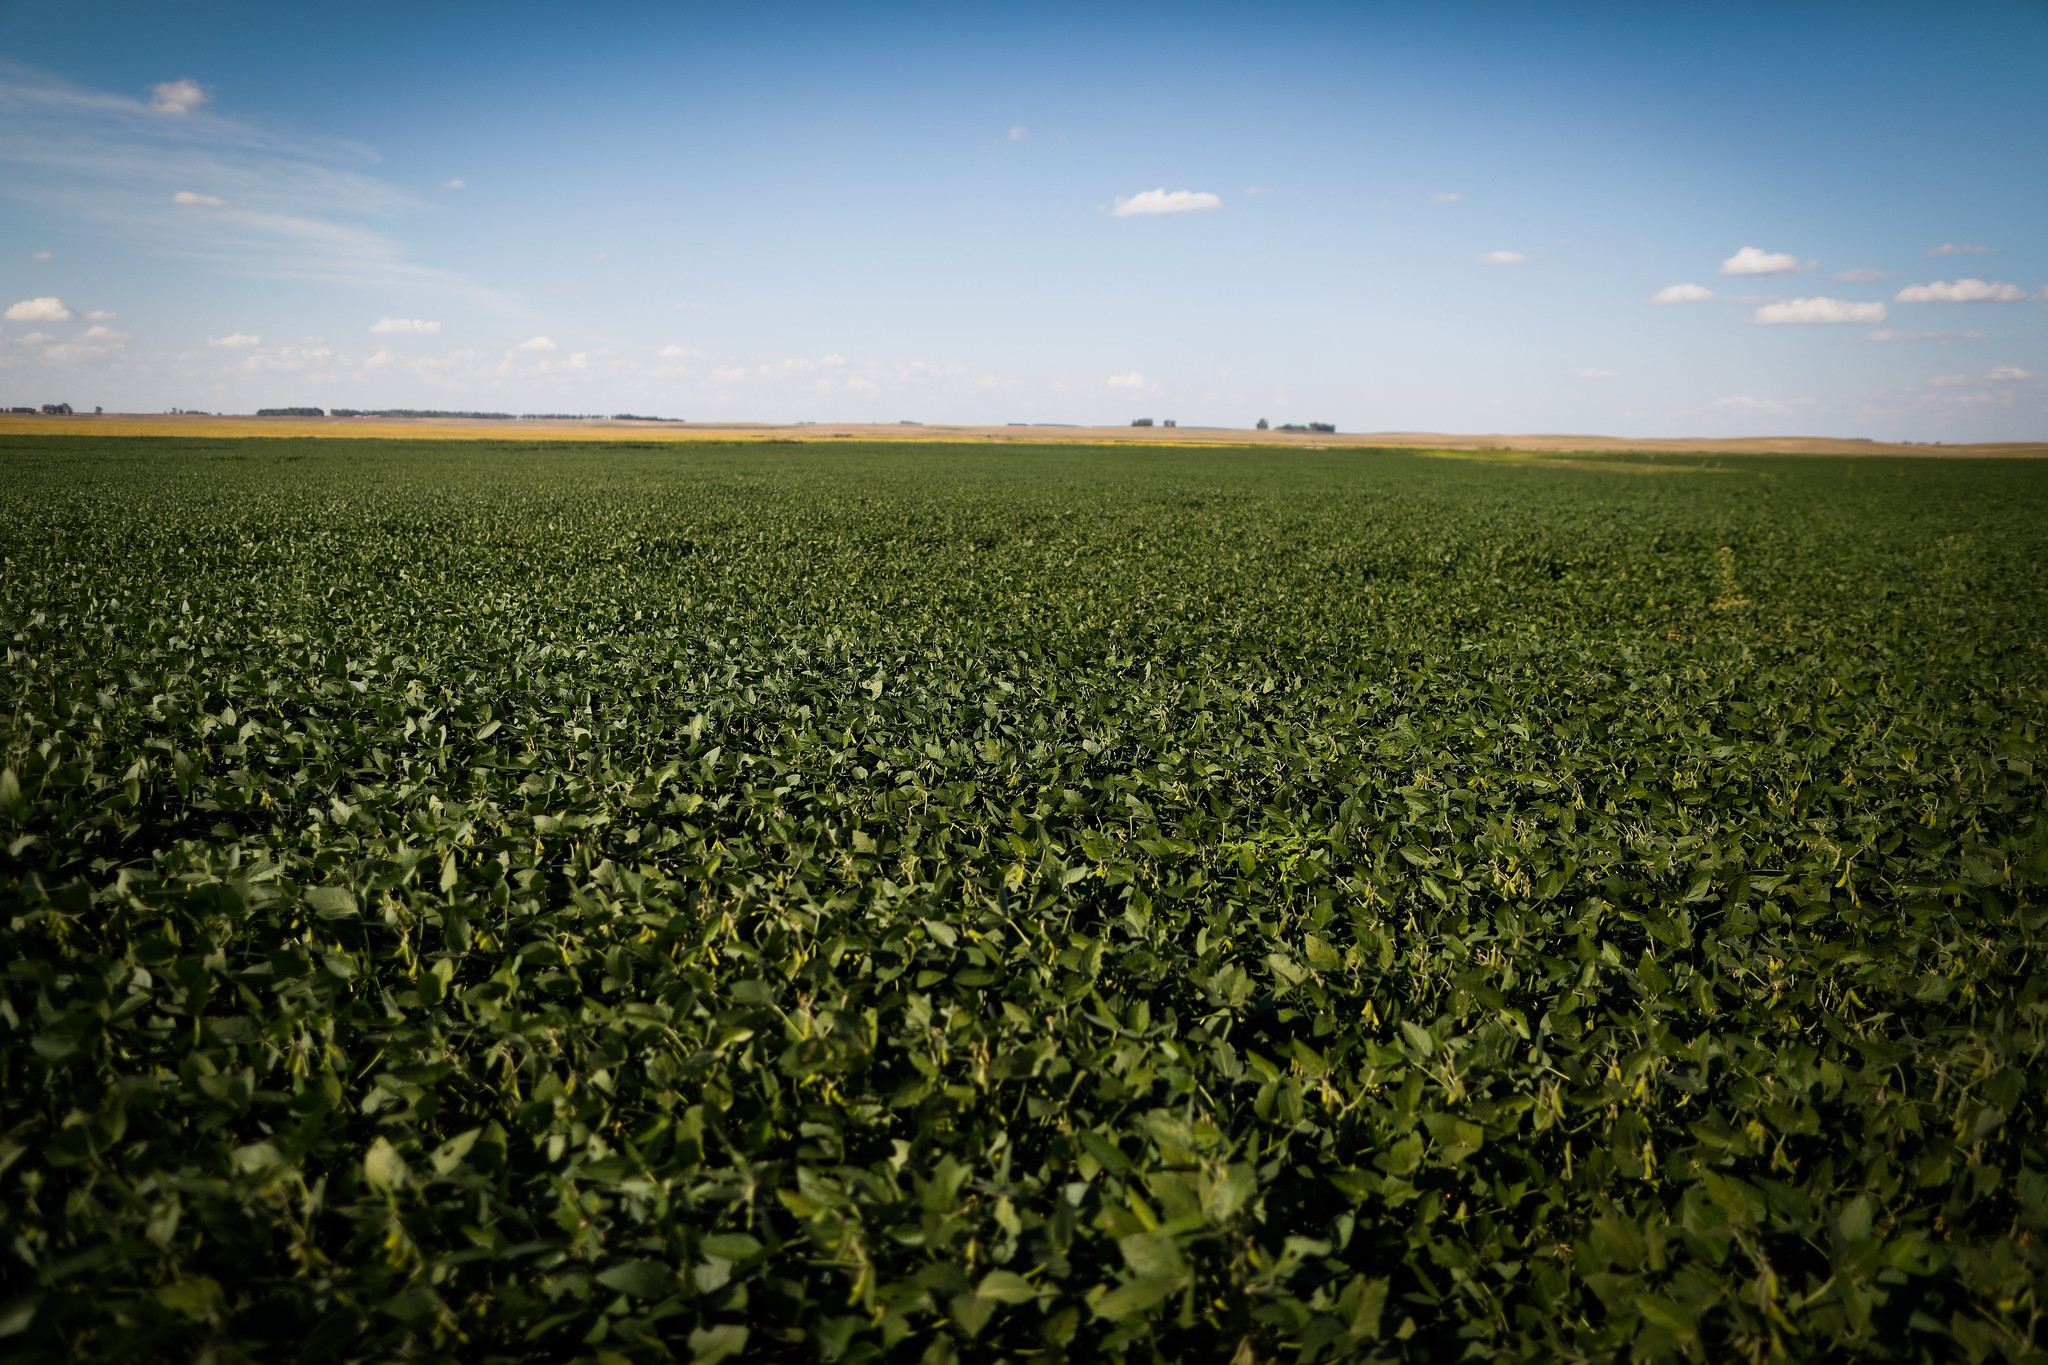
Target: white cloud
(381, 358)
(293, 206)
(1680, 293)
(456, 184)
(1501, 258)
(1133, 380)
(109, 334)
(536, 344)
(1159, 201)
(39, 255)
(1907, 336)
(178, 97)
(1596, 374)
(1258, 189)
(1819, 310)
(1951, 249)
(729, 374)
(1753, 260)
(1962, 291)
(39, 310)
(99, 315)
(235, 341)
(404, 327)
(1747, 404)
(2010, 372)
(1019, 133)
(676, 353)
(580, 360)
(211, 201)
(37, 339)
(1449, 197)
(1864, 276)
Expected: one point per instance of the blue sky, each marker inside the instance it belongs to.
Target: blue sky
(1450, 217)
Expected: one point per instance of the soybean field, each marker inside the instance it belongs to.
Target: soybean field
(521, 902)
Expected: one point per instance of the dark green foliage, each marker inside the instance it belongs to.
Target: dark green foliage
(877, 903)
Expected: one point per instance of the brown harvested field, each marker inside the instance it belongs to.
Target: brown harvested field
(437, 428)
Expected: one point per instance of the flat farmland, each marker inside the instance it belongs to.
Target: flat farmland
(628, 902)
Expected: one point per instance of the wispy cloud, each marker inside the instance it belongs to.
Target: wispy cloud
(1596, 374)
(279, 206)
(1951, 249)
(2009, 372)
(1133, 380)
(235, 341)
(1888, 335)
(1680, 293)
(1501, 258)
(536, 344)
(1258, 189)
(1160, 201)
(1446, 197)
(1754, 260)
(1962, 291)
(177, 97)
(404, 327)
(39, 255)
(1744, 403)
(39, 310)
(1019, 133)
(680, 353)
(1864, 276)
(1819, 310)
(455, 184)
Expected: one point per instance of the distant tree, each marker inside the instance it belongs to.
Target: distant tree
(1262, 424)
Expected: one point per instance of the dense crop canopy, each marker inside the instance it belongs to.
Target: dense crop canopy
(627, 904)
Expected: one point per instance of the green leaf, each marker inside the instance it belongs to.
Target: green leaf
(641, 1279)
(384, 1168)
(711, 1344)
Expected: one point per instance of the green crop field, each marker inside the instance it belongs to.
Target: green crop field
(500, 902)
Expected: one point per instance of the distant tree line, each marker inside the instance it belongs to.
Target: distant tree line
(418, 412)
(636, 417)
(291, 412)
(1312, 426)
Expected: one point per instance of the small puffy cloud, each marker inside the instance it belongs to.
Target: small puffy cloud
(580, 360)
(1888, 335)
(1448, 197)
(235, 341)
(382, 357)
(99, 315)
(104, 334)
(1951, 249)
(1019, 133)
(1501, 258)
(37, 339)
(1680, 293)
(39, 310)
(2010, 372)
(1865, 276)
(404, 327)
(1962, 291)
(1133, 380)
(1159, 201)
(1754, 260)
(39, 255)
(1819, 310)
(178, 97)
(671, 353)
(456, 184)
(536, 344)
(211, 201)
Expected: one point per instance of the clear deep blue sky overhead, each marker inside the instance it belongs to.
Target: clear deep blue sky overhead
(1447, 217)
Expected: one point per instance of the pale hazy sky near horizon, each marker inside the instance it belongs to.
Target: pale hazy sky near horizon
(1642, 220)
